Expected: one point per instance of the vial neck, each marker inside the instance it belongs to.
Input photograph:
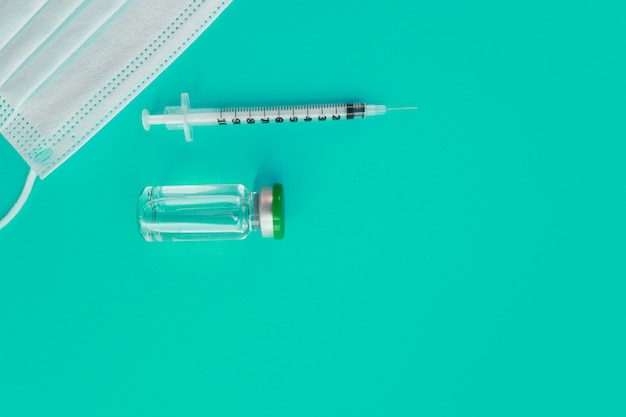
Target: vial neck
(254, 219)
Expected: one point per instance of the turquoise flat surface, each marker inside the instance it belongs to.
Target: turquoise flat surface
(464, 259)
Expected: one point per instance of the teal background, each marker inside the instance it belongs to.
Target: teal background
(465, 259)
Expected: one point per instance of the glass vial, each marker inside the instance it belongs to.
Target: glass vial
(209, 212)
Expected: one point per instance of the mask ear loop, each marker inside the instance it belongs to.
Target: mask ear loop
(28, 186)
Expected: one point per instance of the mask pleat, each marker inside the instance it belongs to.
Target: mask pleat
(72, 34)
(37, 31)
(16, 16)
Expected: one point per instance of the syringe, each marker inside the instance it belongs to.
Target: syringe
(184, 118)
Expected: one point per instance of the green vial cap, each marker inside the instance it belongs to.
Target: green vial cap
(278, 211)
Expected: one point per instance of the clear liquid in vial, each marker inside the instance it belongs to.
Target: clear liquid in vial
(196, 213)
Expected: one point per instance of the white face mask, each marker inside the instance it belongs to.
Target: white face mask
(67, 67)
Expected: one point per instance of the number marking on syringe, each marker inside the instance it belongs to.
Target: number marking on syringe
(309, 113)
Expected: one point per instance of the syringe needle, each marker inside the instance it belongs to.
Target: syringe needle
(402, 108)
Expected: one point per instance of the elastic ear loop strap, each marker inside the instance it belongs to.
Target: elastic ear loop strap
(28, 186)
